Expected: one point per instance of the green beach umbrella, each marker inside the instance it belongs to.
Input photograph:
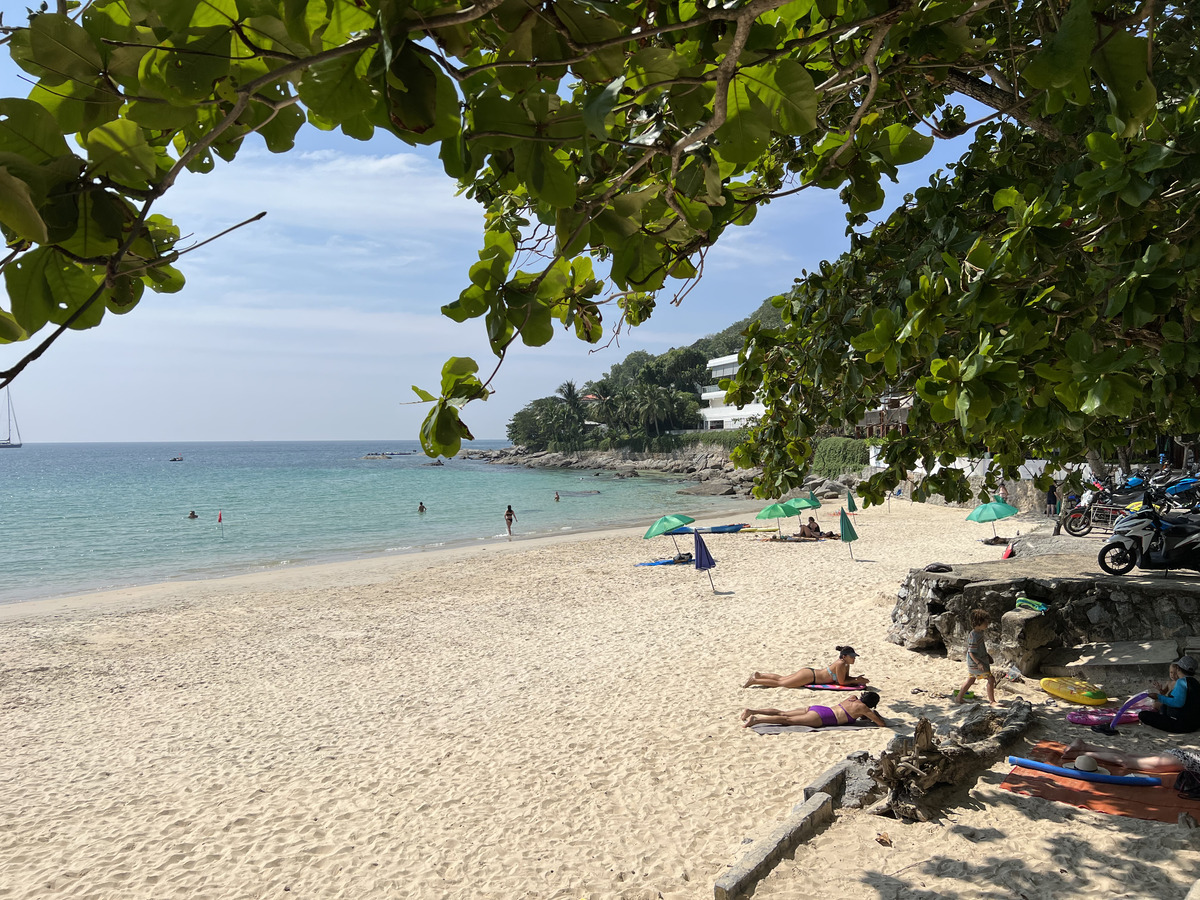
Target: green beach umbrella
(849, 535)
(992, 512)
(775, 511)
(799, 505)
(668, 523)
(851, 506)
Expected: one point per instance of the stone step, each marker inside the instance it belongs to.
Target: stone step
(1097, 662)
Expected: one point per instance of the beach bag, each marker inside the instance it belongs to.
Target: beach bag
(1187, 784)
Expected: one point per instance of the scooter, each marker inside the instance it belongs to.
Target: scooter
(1150, 541)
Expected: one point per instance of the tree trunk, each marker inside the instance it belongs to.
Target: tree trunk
(920, 774)
(1099, 468)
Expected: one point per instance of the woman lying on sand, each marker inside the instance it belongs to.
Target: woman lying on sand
(1173, 759)
(818, 716)
(838, 671)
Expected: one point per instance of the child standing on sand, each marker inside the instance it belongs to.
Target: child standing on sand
(979, 661)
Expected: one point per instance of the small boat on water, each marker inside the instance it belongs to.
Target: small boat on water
(8, 443)
(175, 459)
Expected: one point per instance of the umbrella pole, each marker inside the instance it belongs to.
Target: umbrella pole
(850, 546)
(676, 543)
(994, 530)
(710, 581)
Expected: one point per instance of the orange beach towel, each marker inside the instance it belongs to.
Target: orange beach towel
(1159, 803)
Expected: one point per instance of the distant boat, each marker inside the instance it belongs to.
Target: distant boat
(175, 459)
(8, 443)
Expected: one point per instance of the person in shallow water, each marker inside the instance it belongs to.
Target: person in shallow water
(421, 506)
(844, 713)
(192, 515)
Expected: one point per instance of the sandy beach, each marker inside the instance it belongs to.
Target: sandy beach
(535, 719)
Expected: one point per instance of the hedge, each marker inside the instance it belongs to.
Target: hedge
(836, 456)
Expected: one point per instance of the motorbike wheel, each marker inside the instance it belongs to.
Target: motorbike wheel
(1077, 524)
(1116, 559)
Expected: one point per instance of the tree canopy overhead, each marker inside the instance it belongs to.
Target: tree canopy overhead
(636, 133)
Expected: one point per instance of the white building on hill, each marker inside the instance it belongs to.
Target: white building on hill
(716, 414)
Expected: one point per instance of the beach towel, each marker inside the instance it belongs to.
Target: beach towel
(841, 687)
(1158, 803)
(779, 729)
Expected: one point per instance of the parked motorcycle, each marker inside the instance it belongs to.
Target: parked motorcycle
(1150, 541)
(1100, 507)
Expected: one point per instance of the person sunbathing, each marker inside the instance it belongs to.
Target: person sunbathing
(813, 531)
(838, 672)
(844, 713)
(1173, 759)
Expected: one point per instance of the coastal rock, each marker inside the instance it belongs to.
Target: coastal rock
(711, 488)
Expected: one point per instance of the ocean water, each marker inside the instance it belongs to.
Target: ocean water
(86, 517)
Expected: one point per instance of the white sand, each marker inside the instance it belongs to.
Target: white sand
(538, 719)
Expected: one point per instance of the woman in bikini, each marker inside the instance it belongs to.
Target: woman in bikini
(844, 713)
(836, 673)
(1171, 760)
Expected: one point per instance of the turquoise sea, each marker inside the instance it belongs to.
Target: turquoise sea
(86, 517)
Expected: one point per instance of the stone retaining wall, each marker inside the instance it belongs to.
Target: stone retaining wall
(932, 609)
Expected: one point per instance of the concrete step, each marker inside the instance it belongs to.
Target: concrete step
(1097, 662)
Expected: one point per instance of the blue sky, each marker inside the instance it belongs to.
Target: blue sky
(313, 323)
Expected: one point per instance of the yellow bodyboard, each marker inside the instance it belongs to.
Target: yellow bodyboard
(1076, 690)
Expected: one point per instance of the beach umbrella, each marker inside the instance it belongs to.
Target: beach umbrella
(812, 496)
(992, 512)
(775, 511)
(851, 506)
(665, 524)
(704, 560)
(849, 535)
(797, 506)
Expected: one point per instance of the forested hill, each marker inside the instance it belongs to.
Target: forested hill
(637, 402)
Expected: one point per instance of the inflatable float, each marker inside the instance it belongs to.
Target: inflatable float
(1083, 776)
(1102, 717)
(1076, 690)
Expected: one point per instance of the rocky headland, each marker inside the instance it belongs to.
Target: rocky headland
(709, 467)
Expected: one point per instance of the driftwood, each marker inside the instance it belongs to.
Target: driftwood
(920, 772)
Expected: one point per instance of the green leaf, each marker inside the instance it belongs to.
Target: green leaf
(25, 278)
(899, 145)
(29, 130)
(119, 150)
(1079, 346)
(17, 210)
(424, 395)
(1067, 52)
(1173, 331)
(747, 125)
(545, 176)
(1121, 62)
(787, 89)
(192, 74)
(652, 65)
(599, 105)
(334, 88)
(63, 49)
(72, 288)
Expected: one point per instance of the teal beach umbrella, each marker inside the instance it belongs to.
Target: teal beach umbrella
(797, 506)
(992, 512)
(849, 535)
(668, 523)
(775, 511)
(851, 506)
